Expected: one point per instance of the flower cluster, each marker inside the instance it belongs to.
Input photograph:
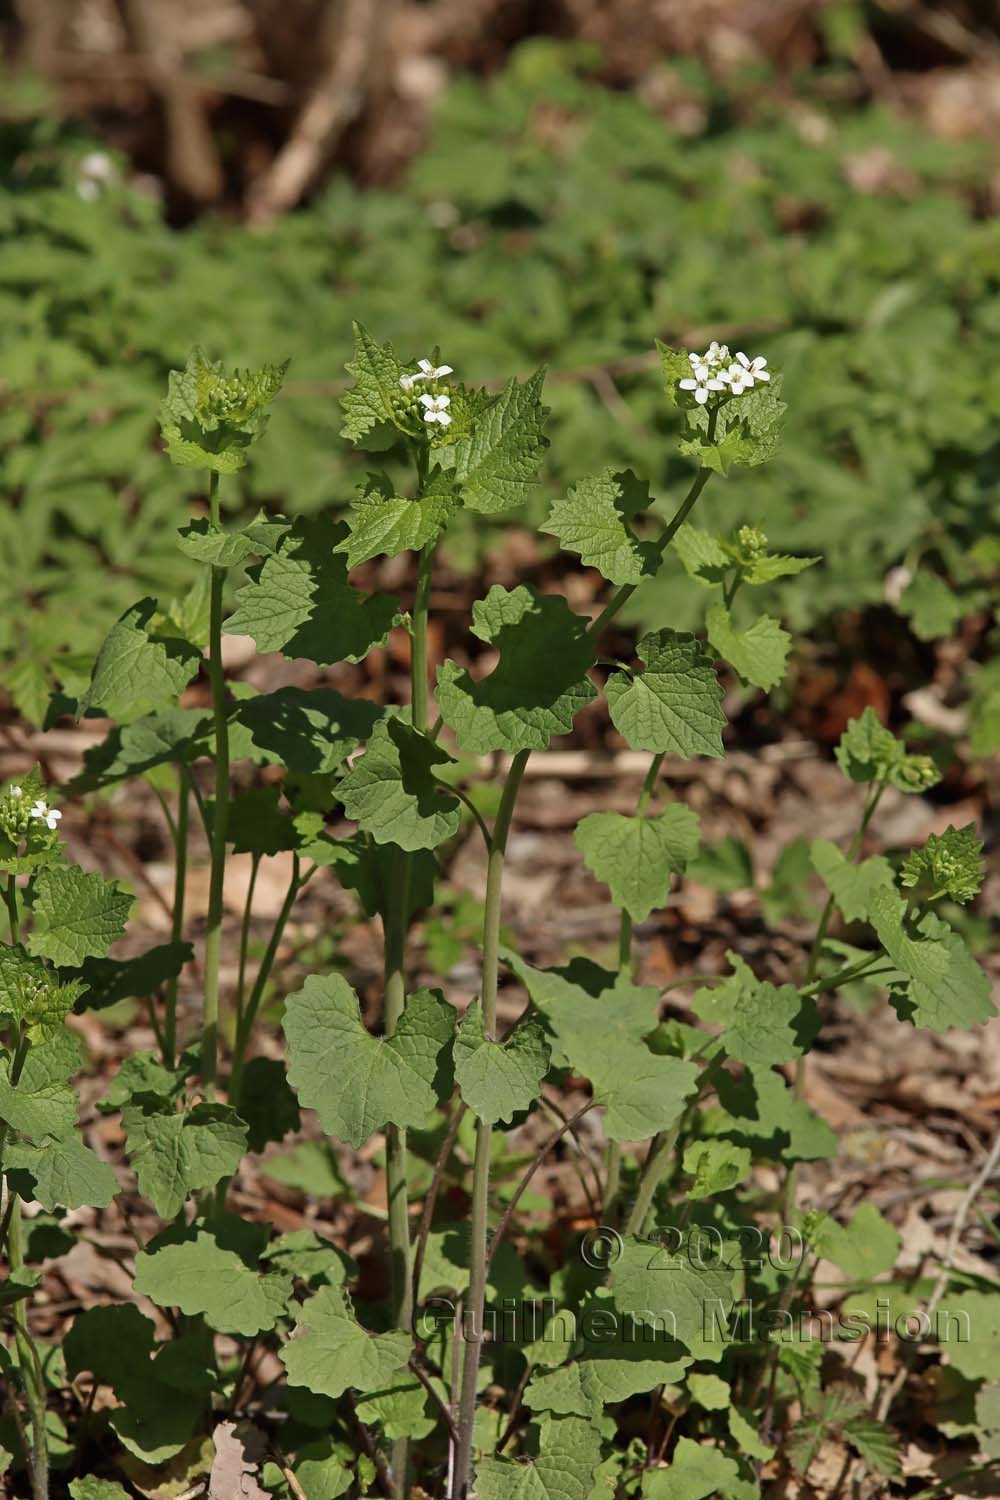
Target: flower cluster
(717, 370)
(18, 812)
(435, 403)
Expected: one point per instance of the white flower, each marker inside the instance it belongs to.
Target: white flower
(436, 409)
(15, 791)
(425, 371)
(716, 354)
(701, 387)
(49, 815)
(748, 370)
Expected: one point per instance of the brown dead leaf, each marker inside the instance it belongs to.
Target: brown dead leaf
(239, 1448)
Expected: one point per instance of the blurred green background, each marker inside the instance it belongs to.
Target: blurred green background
(549, 184)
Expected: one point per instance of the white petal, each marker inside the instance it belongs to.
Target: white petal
(445, 370)
(426, 366)
(763, 374)
(742, 359)
(716, 385)
(443, 401)
(444, 419)
(427, 401)
(406, 381)
(15, 791)
(687, 385)
(701, 395)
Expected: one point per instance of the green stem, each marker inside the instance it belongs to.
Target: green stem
(245, 940)
(476, 1297)
(812, 964)
(658, 1159)
(213, 931)
(34, 1386)
(245, 1028)
(613, 1166)
(397, 924)
(180, 836)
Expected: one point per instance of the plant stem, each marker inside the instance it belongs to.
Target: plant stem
(612, 1176)
(484, 1134)
(34, 1387)
(491, 942)
(213, 931)
(658, 1158)
(812, 964)
(397, 926)
(180, 833)
(245, 939)
(249, 1015)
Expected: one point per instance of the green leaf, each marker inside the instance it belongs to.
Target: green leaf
(747, 430)
(694, 1473)
(137, 669)
(164, 1388)
(709, 1391)
(674, 705)
(868, 751)
(267, 1105)
(209, 419)
(330, 1353)
(594, 520)
(864, 1248)
(761, 1110)
(376, 395)
(673, 1293)
(949, 864)
(170, 734)
(311, 732)
(210, 544)
(176, 1154)
(761, 1024)
(703, 556)
(211, 1269)
(715, 1167)
(310, 1167)
(875, 1444)
(97, 1489)
(38, 1105)
(355, 1082)
(852, 886)
(967, 1326)
(141, 1073)
(405, 1409)
(539, 683)
(758, 654)
(614, 1358)
(309, 1258)
(747, 1438)
(563, 1470)
(944, 986)
(600, 1021)
(393, 792)
(381, 523)
(32, 996)
(932, 606)
(298, 601)
(497, 465)
(109, 980)
(637, 856)
(65, 1173)
(76, 915)
(20, 1282)
(499, 1079)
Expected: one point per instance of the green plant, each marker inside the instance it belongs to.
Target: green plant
(549, 221)
(652, 1358)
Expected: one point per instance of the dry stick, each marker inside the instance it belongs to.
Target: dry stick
(515, 1407)
(461, 1469)
(581, 1154)
(439, 1401)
